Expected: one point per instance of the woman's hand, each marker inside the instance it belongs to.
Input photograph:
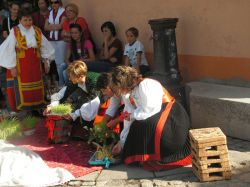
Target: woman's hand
(67, 117)
(117, 149)
(47, 110)
(13, 72)
(46, 66)
(127, 116)
(111, 124)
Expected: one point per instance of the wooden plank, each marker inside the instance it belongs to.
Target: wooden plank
(205, 135)
(210, 160)
(210, 151)
(202, 145)
(212, 167)
(212, 176)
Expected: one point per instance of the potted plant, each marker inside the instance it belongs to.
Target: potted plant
(62, 109)
(28, 125)
(103, 138)
(10, 128)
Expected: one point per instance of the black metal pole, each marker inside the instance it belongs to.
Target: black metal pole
(166, 69)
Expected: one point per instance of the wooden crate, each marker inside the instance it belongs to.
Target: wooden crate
(209, 154)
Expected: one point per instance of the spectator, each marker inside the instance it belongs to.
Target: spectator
(12, 19)
(112, 50)
(134, 52)
(40, 16)
(54, 25)
(79, 49)
(72, 17)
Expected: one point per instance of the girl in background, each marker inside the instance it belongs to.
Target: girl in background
(79, 48)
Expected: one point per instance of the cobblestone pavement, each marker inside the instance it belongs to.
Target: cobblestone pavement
(121, 175)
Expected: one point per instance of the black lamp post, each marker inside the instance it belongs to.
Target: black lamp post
(166, 68)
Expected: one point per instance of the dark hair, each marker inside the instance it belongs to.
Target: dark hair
(103, 81)
(14, 3)
(74, 55)
(134, 31)
(110, 26)
(46, 1)
(25, 12)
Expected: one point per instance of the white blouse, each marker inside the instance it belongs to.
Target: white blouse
(88, 111)
(8, 47)
(112, 109)
(148, 99)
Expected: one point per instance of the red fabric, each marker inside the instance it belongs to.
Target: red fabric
(72, 156)
(156, 166)
(10, 91)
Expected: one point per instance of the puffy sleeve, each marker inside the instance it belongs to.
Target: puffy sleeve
(148, 99)
(113, 106)
(47, 50)
(8, 51)
(88, 111)
(56, 97)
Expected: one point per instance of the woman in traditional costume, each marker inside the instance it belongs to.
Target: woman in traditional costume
(159, 131)
(21, 54)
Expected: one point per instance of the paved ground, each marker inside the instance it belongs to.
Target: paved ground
(121, 175)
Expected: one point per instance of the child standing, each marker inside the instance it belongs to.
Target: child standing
(134, 52)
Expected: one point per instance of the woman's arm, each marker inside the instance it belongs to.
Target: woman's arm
(91, 55)
(54, 27)
(68, 53)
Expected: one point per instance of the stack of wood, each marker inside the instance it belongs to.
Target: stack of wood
(209, 154)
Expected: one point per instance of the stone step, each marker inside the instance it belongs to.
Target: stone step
(215, 105)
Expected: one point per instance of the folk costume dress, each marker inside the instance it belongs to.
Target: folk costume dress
(24, 49)
(160, 128)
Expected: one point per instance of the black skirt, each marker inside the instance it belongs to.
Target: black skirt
(166, 142)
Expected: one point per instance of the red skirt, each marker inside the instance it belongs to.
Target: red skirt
(26, 91)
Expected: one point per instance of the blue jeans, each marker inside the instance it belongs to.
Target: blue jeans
(63, 74)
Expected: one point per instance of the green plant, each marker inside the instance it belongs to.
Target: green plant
(10, 128)
(102, 135)
(62, 109)
(29, 122)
